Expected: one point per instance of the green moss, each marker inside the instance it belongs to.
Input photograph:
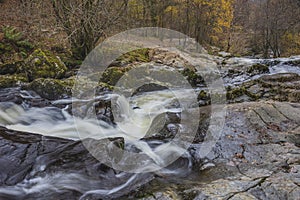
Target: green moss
(258, 69)
(192, 76)
(15, 39)
(139, 55)
(203, 95)
(238, 92)
(252, 95)
(11, 34)
(42, 64)
(235, 93)
(105, 86)
(25, 44)
(113, 74)
(52, 89)
(7, 81)
(5, 47)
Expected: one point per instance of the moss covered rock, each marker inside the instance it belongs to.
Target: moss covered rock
(113, 74)
(7, 81)
(203, 95)
(136, 56)
(193, 78)
(235, 93)
(10, 68)
(42, 64)
(258, 69)
(52, 89)
(139, 55)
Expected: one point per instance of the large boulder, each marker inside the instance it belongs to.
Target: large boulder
(65, 166)
(42, 64)
(256, 157)
(52, 89)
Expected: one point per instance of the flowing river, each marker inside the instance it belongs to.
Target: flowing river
(146, 122)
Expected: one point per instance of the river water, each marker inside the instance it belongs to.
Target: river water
(141, 116)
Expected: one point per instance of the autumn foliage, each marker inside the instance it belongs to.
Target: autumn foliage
(242, 27)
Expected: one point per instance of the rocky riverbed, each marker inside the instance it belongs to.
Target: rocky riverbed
(257, 156)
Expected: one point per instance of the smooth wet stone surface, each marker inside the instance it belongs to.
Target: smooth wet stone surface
(38, 167)
(257, 157)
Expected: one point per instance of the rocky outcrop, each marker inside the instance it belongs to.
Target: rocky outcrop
(257, 157)
(21, 97)
(65, 167)
(42, 64)
(52, 89)
(279, 87)
(165, 57)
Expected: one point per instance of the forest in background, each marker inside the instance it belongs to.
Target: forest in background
(261, 28)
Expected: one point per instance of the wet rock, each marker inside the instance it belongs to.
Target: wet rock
(22, 97)
(258, 69)
(240, 94)
(65, 166)
(149, 88)
(52, 89)
(251, 132)
(256, 157)
(271, 62)
(295, 63)
(42, 64)
(282, 77)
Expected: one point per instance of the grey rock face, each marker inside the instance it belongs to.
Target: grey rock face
(257, 157)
